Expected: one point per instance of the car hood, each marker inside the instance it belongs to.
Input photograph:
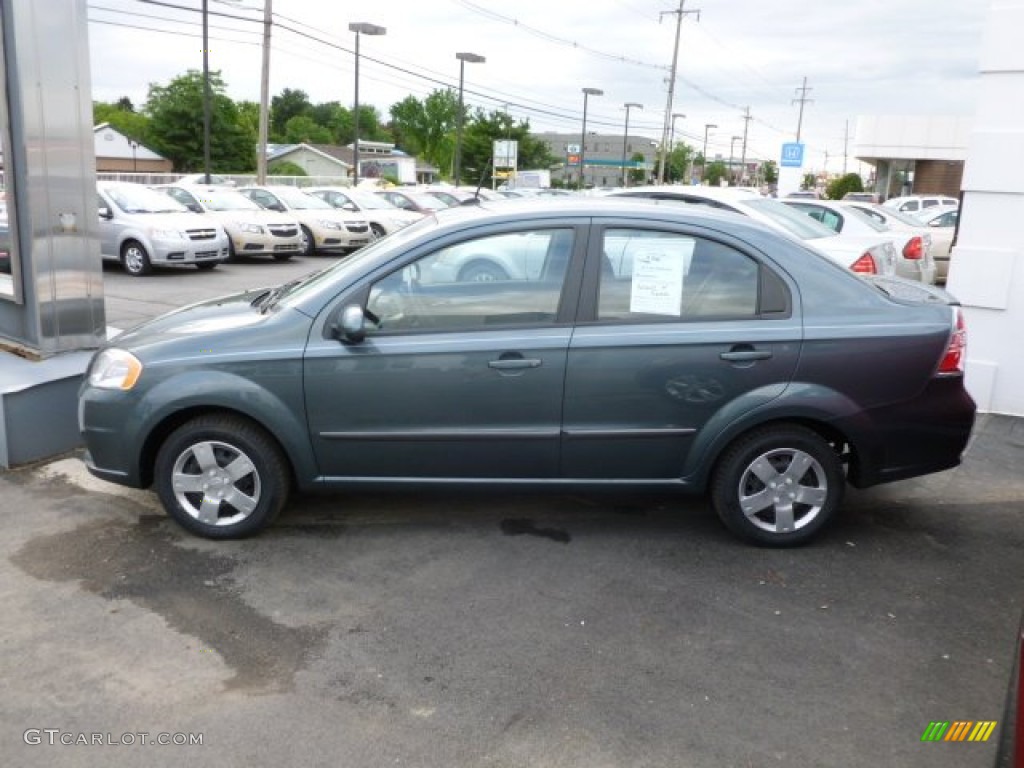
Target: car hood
(176, 221)
(197, 328)
(266, 218)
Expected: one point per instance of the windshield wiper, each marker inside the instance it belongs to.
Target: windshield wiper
(270, 298)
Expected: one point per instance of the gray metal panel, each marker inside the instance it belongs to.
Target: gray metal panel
(51, 165)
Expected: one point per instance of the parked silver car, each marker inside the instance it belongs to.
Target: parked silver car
(142, 228)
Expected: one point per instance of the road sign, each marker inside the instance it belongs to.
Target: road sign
(792, 155)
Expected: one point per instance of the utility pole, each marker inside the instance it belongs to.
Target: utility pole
(846, 145)
(743, 160)
(261, 157)
(680, 13)
(803, 90)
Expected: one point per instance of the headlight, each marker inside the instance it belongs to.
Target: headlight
(254, 229)
(166, 234)
(327, 224)
(115, 369)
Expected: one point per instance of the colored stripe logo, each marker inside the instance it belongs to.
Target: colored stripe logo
(958, 730)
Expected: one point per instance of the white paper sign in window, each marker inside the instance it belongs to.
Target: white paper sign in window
(658, 276)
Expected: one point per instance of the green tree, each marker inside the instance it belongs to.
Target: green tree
(286, 168)
(770, 172)
(809, 181)
(637, 175)
(483, 129)
(303, 129)
(679, 161)
(851, 182)
(283, 107)
(427, 128)
(715, 173)
(123, 117)
(175, 112)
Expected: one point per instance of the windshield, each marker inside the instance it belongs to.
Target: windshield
(868, 219)
(370, 201)
(793, 221)
(900, 216)
(299, 200)
(339, 269)
(223, 200)
(132, 198)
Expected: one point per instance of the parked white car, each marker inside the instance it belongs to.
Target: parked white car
(252, 230)
(941, 237)
(942, 223)
(324, 228)
(384, 217)
(871, 255)
(914, 203)
(142, 228)
(913, 249)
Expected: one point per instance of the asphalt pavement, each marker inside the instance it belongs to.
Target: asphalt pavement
(449, 630)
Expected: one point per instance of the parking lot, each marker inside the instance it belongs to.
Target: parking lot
(474, 630)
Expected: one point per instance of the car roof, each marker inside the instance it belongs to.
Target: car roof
(725, 194)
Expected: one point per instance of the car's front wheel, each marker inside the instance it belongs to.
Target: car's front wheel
(308, 244)
(135, 259)
(221, 477)
(778, 486)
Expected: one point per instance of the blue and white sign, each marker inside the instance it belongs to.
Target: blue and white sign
(792, 155)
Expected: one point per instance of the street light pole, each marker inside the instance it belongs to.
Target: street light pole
(732, 154)
(472, 58)
(672, 139)
(360, 28)
(704, 154)
(206, 91)
(587, 92)
(625, 138)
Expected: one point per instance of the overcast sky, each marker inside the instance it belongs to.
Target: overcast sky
(860, 57)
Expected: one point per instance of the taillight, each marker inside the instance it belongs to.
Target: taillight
(956, 350)
(914, 249)
(865, 265)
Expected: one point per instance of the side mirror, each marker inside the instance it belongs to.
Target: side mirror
(349, 207)
(353, 325)
(276, 207)
(195, 207)
(105, 213)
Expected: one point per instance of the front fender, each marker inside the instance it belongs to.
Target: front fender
(280, 411)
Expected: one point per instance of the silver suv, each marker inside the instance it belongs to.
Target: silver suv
(142, 228)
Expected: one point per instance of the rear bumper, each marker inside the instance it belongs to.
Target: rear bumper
(908, 439)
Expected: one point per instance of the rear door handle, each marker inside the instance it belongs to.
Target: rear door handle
(746, 355)
(514, 364)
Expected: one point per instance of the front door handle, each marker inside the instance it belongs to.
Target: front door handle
(745, 355)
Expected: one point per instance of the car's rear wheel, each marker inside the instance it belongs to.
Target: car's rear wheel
(221, 477)
(778, 486)
(308, 244)
(134, 259)
(481, 272)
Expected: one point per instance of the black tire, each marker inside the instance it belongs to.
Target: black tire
(778, 486)
(376, 231)
(482, 272)
(135, 259)
(206, 266)
(308, 247)
(232, 255)
(240, 502)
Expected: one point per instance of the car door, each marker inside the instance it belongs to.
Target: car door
(456, 378)
(680, 333)
(109, 228)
